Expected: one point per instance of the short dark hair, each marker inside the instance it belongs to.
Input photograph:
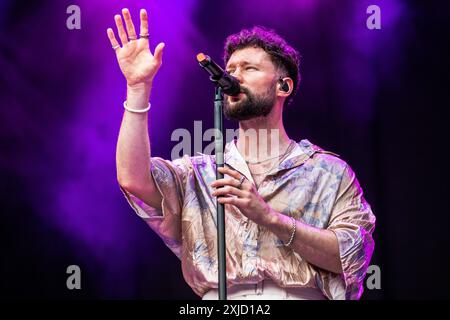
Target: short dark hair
(283, 56)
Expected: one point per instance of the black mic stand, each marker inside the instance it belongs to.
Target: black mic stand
(218, 144)
(230, 85)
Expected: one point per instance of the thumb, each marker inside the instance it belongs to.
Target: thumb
(159, 51)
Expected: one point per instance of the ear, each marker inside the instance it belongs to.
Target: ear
(284, 87)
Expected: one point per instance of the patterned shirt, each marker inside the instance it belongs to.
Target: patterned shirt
(312, 185)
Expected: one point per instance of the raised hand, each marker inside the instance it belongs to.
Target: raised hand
(138, 64)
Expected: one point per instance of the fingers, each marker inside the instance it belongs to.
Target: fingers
(129, 24)
(112, 38)
(143, 30)
(230, 172)
(122, 34)
(228, 201)
(159, 51)
(227, 186)
(228, 190)
(236, 175)
(225, 182)
(240, 203)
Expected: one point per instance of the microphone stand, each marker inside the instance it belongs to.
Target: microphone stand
(218, 144)
(226, 82)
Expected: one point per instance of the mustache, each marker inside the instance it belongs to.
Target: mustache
(245, 90)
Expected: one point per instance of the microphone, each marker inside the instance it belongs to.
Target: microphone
(228, 83)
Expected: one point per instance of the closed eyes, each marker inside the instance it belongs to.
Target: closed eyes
(246, 68)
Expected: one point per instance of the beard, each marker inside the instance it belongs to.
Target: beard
(250, 105)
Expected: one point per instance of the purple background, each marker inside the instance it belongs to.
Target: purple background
(372, 96)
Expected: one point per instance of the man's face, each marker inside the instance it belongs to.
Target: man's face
(258, 78)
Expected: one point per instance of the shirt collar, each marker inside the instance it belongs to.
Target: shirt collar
(302, 151)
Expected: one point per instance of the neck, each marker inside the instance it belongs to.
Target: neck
(263, 137)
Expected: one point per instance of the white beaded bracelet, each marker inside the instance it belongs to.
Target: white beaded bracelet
(136, 110)
(294, 227)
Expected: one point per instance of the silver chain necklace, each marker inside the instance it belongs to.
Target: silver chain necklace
(261, 161)
(288, 149)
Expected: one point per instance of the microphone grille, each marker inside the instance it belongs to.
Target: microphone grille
(201, 57)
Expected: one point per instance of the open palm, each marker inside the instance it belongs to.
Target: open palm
(135, 59)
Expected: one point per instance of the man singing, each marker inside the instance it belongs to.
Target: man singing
(297, 225)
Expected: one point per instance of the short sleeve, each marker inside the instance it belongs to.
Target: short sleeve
(353, 223)
(170, 180)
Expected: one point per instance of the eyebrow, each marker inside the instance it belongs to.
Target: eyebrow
(243, 63)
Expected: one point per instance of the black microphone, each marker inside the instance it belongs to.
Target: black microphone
(228, 83)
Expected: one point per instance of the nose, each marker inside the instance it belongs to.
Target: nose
(237, 74)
